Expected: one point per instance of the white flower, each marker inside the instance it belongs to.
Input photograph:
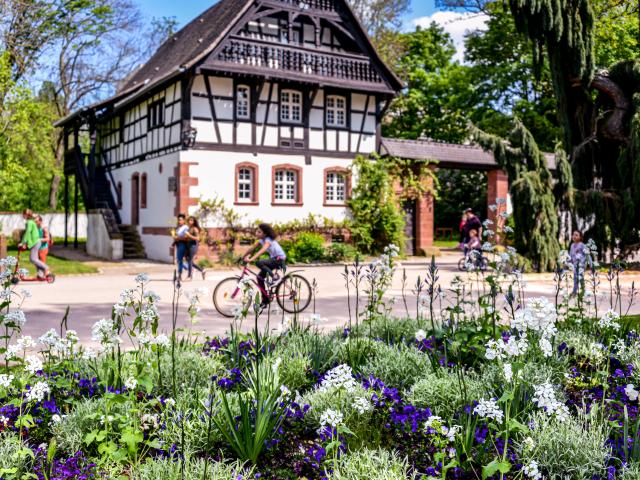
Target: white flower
(142, 278)
(170, 402)
(37, 392)
(631, 392)
(25, 293)
(610, 320)
(149, 315)
(339, 377)
(25, 342)
(528, 444)
(33, 364)
(12, 352)
(15, 318)
(539, 315)
(4, 421)
(131, 383)
(545, 398)
(161, 340)
(546, 347)
(316, 319)
(331, 417)
(531, 470)
(152, 297)
(55, 418)
(104, 332)
(487, 247)
(362, 405)
(284, 391)
(149, 422)
(421, 335)
(5, 380)
(89, 354)
(508, 372)
(8, 262)
(489, 409)
(50, 339)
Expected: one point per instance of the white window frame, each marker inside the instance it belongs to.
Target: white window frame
(335, 191)
(243, 102)
(244, 182)
(290, 110)
(285, 185)
(336, 116)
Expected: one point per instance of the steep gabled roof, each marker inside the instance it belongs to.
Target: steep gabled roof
(190, 43)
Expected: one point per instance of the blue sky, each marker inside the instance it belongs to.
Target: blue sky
(186, 10)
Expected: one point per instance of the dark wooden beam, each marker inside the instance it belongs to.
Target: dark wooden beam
(364, 119)
(212, 107)
(266, 115)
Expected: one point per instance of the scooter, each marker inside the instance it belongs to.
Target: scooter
(22, 277)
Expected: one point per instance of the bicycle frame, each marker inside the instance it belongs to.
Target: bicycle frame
(247, 271)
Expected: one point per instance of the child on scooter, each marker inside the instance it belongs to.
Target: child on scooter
(31, 241)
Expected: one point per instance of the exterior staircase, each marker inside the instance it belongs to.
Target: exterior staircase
(131, 242)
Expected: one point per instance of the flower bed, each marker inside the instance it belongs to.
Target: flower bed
(474, 382)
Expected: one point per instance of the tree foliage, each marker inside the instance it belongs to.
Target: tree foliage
(377, 219)
(532, 193)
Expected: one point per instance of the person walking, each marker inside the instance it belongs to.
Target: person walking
(578, 256)
(45, 239)
(194, 244)
(31, 241)
(181, 243)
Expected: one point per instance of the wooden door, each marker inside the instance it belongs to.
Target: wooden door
(409, 207)
(135, 199)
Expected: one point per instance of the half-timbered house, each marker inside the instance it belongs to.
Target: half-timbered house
(263, 103)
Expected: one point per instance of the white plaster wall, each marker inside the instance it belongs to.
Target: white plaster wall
(160, 201)
(216, 177)
(99, 244)
(53, 221)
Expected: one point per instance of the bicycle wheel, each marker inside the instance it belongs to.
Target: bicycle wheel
(462, 264)
(293, 294)
(227, 297)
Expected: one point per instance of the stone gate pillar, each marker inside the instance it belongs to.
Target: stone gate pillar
(497, 188)
(425, 220)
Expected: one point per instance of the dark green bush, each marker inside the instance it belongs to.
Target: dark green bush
(308, 247)
(340, 252)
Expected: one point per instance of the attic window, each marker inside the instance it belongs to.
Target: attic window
(155, 116)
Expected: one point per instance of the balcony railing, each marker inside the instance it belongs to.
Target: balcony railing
(279, 57)
(327, 5)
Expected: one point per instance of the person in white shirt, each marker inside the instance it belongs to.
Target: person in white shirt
(266, 243)
(181, 242)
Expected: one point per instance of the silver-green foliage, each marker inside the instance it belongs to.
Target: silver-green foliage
(12, 463)
(371, 464)
(446, 393)
(397, 366)
(170, 469)
(573, 449)
(631, 472)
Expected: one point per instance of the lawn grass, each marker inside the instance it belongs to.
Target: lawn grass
(445, 243)
(59, 266)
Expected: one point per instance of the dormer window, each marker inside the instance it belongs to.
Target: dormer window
(243, 102)
(336, 111)
(155, 117)
(290, 106)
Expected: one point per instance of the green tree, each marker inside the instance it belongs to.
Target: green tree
(377, 220)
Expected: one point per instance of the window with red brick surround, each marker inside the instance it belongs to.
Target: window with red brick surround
(246, 184)
(286, 185)
(337, 186)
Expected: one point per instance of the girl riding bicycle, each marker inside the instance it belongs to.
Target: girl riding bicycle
(266, 243)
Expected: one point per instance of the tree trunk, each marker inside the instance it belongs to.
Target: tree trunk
(53, 191)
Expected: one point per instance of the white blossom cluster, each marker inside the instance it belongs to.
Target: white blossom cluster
(381, 270)
(631, 392)
(610, 320)
(339, 377)
(489, 409)
(514, 347)
(539, 316)
(14, 318)
(33, 364)
(131, 383)
(149, 421)
(6, 267)
(146, 338)
(38, 392)
(5, 380)
(421, 335)
(57, 344)
(362, 405)
(435, 423)
(544, 397)
(104, 331)
(142, 278)
(531, 470)
(331, 418)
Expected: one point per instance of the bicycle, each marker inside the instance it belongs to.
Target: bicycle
(292, 292)
(475, 259)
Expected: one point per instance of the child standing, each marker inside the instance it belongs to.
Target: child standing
(45, 239)
(578, 255)
(266, 243)
(181, 242)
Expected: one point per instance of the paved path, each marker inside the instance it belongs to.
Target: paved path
(91, 297)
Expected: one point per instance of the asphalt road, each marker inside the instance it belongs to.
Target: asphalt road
(91, 297)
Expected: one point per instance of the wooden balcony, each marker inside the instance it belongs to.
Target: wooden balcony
(253, 56)
(323, 5)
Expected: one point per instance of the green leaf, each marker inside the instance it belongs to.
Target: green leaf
(132, 438)
(494, 467)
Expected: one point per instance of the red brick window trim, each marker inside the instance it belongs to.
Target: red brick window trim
(286, 185)
(337, 186)
(143, 190)
(246, 184)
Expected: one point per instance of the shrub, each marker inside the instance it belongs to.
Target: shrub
(630, 472)
(308, 247)
(340, 252)
(397, 366)
(392, 330)
(171, 469)
(443, 393)
(573, 449)
(70, 431)
(295, 372)
(368, 463)
(318, 348)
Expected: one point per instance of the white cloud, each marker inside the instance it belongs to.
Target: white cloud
(455, 24)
